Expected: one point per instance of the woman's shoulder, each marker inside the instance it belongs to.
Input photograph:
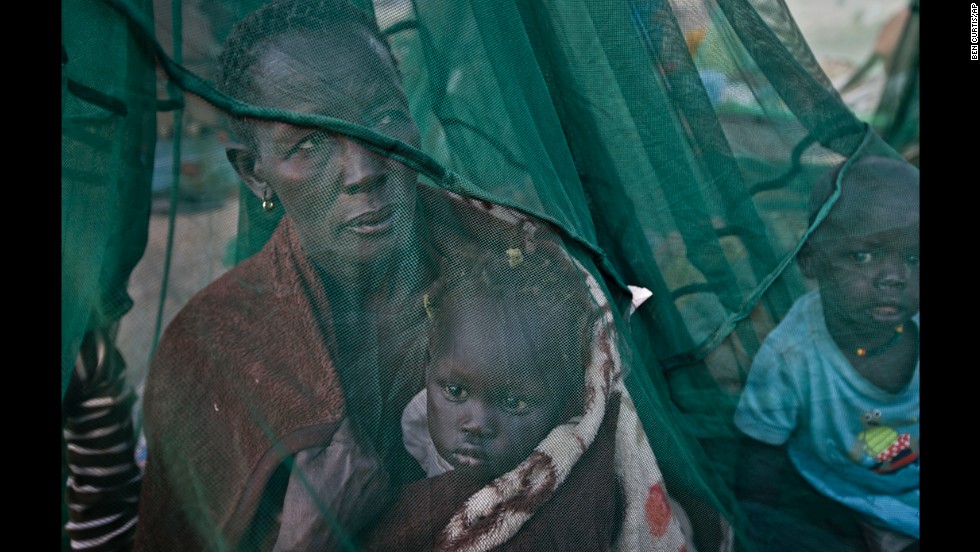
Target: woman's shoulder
(237, 299)
(229, 298)
(228, 323)
(201, 335)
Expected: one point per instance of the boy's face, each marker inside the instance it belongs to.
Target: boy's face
(349, 204)
(866, 261)
(491, 399)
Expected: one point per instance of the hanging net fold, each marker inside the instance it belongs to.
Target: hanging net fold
(488, 275)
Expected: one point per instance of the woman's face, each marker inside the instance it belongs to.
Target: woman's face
(351, 207)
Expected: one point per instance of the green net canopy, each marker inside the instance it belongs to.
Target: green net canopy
(490, 275)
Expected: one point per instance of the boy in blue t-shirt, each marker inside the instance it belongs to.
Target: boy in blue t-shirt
(836, 383)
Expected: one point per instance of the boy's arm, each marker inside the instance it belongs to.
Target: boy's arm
(760, 471)
(766, 417)
(764, 485)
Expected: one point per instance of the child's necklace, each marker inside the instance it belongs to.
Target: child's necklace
(895, 338)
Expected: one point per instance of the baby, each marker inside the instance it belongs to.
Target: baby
(507, 356)
(509, 342)
(837, 381)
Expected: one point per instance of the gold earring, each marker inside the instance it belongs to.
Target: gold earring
(267, 203)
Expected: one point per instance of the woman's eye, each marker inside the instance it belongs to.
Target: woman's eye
(912, 260)
(516, 404)
(454, 392)
(308, 144)
(388, 118)
(861, 256)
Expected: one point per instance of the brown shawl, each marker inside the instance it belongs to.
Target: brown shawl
(242, 378)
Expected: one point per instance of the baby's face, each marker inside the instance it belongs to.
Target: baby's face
(490, 401)
(867, 264)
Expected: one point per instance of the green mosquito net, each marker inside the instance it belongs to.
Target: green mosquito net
(483, 275)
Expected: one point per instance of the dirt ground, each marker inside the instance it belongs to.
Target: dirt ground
(842, 32)
(200, 241)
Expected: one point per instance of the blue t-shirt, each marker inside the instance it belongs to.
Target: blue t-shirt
(855, 442)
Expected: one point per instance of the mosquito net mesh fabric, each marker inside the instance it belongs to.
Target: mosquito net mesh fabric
(509, 275)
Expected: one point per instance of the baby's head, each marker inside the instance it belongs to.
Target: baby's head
(507, 353)
(865, 254)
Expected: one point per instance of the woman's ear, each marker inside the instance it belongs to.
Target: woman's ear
(244, 163)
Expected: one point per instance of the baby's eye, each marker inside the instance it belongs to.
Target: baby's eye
(516, 404)
(861, 257)
(912, 259)
(455, 393)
